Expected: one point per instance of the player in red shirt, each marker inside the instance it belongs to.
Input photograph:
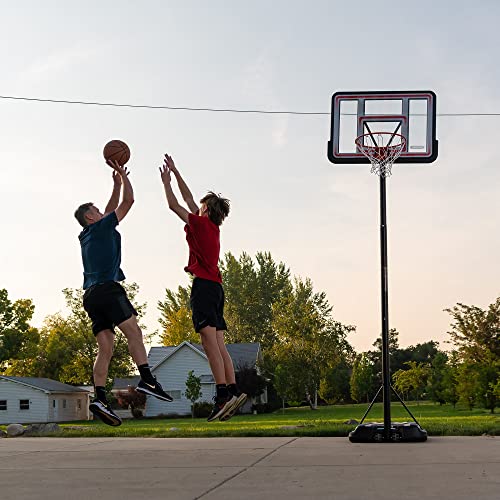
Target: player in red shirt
(207, 294)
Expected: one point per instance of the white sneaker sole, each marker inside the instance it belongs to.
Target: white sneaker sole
(106, 417)
(242, 399)
(151, 393)
(225, 409)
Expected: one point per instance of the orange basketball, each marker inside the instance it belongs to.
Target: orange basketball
(117, 150)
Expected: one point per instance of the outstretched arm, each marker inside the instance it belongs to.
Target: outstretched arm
(173, 204)
(128, 192)
(115, 195)
(183, 188)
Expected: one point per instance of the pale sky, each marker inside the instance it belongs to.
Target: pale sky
(287, 198)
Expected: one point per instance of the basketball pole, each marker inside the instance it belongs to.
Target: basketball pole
(386, 372)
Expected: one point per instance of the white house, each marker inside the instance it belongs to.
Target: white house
(26, 400)
(171, 366)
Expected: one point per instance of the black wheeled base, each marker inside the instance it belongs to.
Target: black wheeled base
(403, 432)
(388, 432)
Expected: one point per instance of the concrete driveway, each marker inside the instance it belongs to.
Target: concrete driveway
(248, 468)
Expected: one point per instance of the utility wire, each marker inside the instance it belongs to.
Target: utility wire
(212, 110)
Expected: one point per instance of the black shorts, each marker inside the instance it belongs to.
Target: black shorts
(107, 305)
(207, 304)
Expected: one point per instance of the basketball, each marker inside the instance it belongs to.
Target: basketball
(117, 150)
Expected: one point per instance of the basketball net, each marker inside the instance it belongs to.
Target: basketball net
(382, 149)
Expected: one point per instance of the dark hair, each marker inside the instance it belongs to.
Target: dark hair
(218, 207)
(80, 214)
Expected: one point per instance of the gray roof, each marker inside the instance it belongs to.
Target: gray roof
(241, 354)
(156, 354)
(121, 384)
(46, 384)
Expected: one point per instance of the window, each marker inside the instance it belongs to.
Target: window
(175, 394)
(64, 403)
(79, 404)
(3, 404)
(53, 403)
(24, 404)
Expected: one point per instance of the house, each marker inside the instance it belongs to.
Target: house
(39, 400)
(122, 384)
(171, 366)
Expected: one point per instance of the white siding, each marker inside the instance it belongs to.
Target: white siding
(41, 406)
(59, 413)
(13, 392)
(172, 375)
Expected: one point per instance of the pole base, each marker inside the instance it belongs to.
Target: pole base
(401, 432)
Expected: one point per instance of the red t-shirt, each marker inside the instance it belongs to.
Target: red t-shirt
(203, 237)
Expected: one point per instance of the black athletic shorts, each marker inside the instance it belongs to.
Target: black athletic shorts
(207, 304)
(107, 305)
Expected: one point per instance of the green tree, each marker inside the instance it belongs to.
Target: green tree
(413, 379)
(362, 379)
(193, 389)
(476, 334)
(309, 340)
(437, 383)
(252, 288)
(450, 380)
(175, 318)
(282, 382)
(67, 346)
(334, 386)
(16, 334)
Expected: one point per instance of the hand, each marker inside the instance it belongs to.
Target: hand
(117, 168)
(170, 164)
(117, 178)
(165, 172)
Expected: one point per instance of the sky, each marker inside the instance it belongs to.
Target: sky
(287, 198)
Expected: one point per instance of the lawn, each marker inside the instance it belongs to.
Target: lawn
(326, 421)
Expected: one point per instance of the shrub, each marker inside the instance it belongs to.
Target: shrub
(202, 409)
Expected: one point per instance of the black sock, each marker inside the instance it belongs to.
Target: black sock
(146, 374)
(100, 393)
(233, 390)
(221, 391)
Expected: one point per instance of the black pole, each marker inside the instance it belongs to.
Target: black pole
(386, 375)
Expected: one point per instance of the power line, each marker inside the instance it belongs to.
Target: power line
(211, 110)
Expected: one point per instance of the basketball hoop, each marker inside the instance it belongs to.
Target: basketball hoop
(378, 147)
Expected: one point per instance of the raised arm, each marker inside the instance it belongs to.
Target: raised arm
(128, 192)
(183, 188)
(173, 204)
(115, 195)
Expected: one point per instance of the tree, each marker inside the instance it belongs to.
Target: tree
(308, 338)
(334, 386)
(476, 334)
(282, 381)
(193, 389)
(362, 379)
(16, 334)
(413, 379)
(450, 380)
(252, 289)
(437, 383)
(175, 318)
(67, 346)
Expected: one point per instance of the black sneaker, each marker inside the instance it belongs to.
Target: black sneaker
(155, 390)
(240, 401)
(221, 407)
(102, 410)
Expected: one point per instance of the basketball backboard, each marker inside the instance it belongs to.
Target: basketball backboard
(411, 114)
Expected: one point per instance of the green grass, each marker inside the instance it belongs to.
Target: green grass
(326, 421)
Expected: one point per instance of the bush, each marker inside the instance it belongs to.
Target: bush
(137, 413)
(202, 409)
(263, 408)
